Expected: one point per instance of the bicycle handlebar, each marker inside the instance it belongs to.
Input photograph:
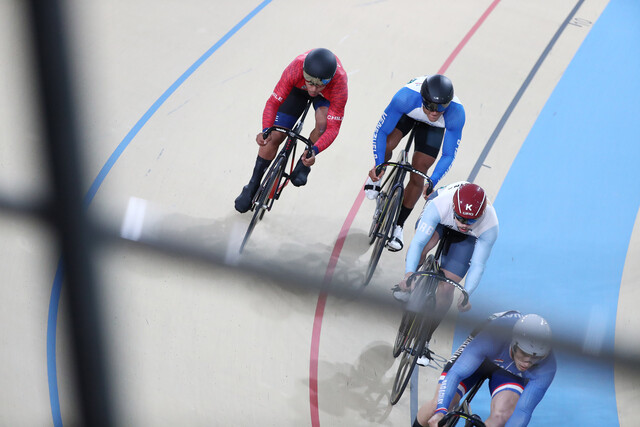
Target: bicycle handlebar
(473, 421)
(442, 278)
(290, 134)
(405, 166)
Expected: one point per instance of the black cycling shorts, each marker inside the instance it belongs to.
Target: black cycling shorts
(428, 139)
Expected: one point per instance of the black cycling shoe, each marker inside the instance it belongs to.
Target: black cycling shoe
(300, 174)
(243, 201)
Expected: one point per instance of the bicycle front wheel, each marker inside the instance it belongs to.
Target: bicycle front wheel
(389, 217)
(403, 332)
(378, 216)
(265, 192)
(413, 348)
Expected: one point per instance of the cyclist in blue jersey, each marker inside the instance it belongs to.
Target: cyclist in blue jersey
(520, 367)
(427, 105)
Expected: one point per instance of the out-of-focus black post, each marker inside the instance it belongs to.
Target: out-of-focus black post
(69, 215)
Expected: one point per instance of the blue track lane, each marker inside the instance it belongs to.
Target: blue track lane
(567, 210)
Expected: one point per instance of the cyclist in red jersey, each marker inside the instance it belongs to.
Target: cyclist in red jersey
(317, 75)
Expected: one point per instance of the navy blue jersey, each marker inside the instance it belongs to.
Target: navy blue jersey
(495, 347)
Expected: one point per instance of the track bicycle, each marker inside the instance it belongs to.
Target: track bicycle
(463, 411)
(388, 204)
(418, 316)
(277, 177)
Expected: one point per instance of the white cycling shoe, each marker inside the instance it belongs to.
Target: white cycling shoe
(371, 189)
(396, 242)
(424, 360)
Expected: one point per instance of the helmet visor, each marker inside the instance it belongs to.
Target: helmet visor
(464, 220)
(533, 359)
(315, 81)
(433, 107)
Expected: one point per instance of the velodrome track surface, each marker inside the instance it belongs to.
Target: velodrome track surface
(172, 97)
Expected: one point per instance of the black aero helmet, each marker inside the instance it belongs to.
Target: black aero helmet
(320, 66)
(436, 90)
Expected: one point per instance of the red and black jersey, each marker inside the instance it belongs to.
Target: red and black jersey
(335, 92)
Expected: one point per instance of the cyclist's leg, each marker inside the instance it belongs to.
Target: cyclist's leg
(455, 263)
(288, 113)
(506, 389)
(403, 127)
(454, 266)
(301, 171)
(427, 410)
(427, 140)
(413, 190)
(286, 116)
(322, 110)
(393, 139)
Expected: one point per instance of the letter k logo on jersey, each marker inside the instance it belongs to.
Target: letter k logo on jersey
(468, 207)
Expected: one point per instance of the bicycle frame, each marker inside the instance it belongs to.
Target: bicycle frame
(417, 322)
(388, 205)
(396, 177)
(463, 410)
(286, 152)
(275, 179)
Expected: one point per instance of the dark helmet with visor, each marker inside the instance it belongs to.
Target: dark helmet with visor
(437, 92)
(319, 66)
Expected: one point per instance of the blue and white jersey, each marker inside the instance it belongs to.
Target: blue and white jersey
(495, 346)
(409, 101)
(439, 210)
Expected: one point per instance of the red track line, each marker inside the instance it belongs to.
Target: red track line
(335, 254)
(322, 299)
(466, 38)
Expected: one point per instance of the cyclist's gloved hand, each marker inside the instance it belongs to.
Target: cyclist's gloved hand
(262, 140)
(308, 157)
(463, 308)
(428, 189)
(435, 419)
(403, 285)
(376, 173)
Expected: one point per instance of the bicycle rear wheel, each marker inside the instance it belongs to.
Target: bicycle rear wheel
(265, 192)
(389, 216)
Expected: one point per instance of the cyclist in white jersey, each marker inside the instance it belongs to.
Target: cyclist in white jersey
(464, 210)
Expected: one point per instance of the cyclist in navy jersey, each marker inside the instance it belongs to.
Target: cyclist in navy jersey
(519, 366)
(427, 105)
